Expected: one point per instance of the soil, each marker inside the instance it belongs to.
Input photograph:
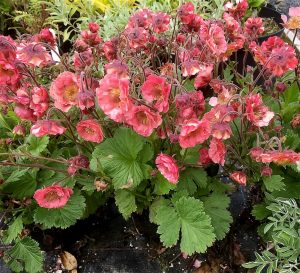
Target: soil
(106, 243)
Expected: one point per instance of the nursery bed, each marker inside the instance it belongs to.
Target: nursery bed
(107, 243)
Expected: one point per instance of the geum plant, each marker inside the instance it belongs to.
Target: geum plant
(154, 117)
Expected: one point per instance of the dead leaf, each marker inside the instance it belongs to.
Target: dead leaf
(205, 268)
(69, 261)
(238, 256)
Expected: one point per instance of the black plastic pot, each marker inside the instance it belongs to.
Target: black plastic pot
(269, 12)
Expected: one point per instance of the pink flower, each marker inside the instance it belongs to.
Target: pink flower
(138, 37)
(9, 74)
(117, 68)
(186, 12)
(204, 158)
(94, 27)
(190, 68)
(167, 167)
(284, 157)
(7, 49)
(77, 162)
(294, 20)
(64, 90)
(142, 18)
(90, 130)
(39, 101)
(276, 55)
(204, 76)
(24, 112)
(33, 54)
(86, 99)
(217, 151)
(53, 197)
(143, 120)
(47, 127)
(239, 177)
(47, 35)
(110, 49)
(237, 11)
(156, 89)
(266, 171)
(113, 96)
(254, 26)
(160, 22)
(194, 132)
(257, 112)
(216, 40)
(189, 106)
(221, 130)
(19, 130)
(83, 59)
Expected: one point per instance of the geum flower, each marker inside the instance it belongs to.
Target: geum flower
(113, 96)
(216, 40)
(194, 132)
(167, 166)
(186, 12)
(137, 37)
(239, 177)
(47, 127)
(275, 55)
(284, 157)
(90, 130)
(76, 163)
(33, 54)
(204, 75)
(143, 120)
(217, 151)
(160, 22)
(53, 197)
(204, 158)
(64, 90)
(294, 21)
(9, 74)
(254, 26)
(156, 89)
(7, 49)
(189, 105)
(142, 18)
(256, 112)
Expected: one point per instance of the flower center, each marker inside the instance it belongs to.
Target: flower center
(51, 196)
(71, 92)
(89, 130)
(142, 118)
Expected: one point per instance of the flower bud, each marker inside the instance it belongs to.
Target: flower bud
(266, 171)
(280, 87)
(19, 130)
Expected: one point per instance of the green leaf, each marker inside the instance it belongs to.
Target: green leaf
(187, 214)
(23, 187)
(192, 178)
(119, 158)
(157, 203)
(28, 252)
(216, 206)
(61, 217)
(16, 175)
(125, 201)
(14, 229)
(260, 212)
(168, 225)
(162, 185)
(228, 76)
(273, 183)
(36, 145)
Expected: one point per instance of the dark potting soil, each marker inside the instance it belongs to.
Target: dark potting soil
(106, 243)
